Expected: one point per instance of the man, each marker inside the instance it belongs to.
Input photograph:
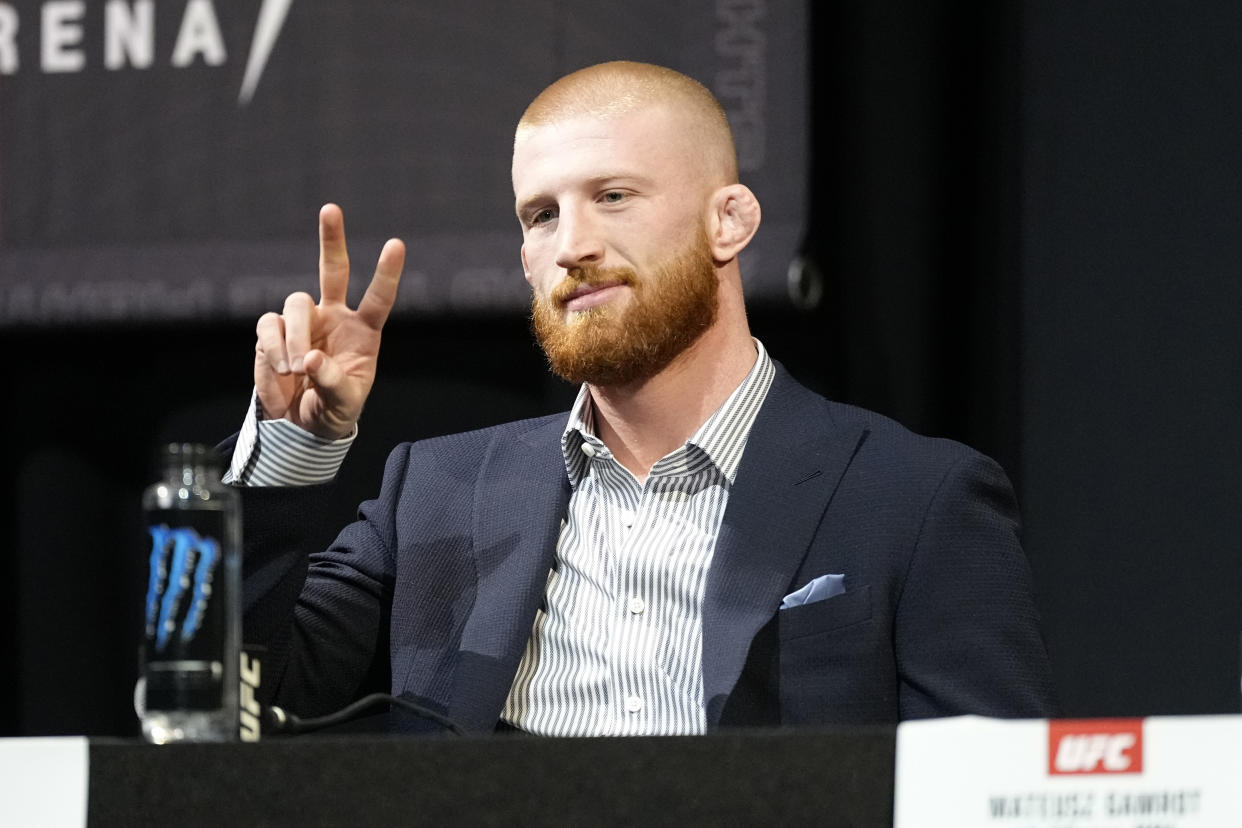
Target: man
(699, 542)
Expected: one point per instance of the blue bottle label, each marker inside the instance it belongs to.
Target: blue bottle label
(185, 623)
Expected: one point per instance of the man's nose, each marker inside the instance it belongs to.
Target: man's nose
(578, 240)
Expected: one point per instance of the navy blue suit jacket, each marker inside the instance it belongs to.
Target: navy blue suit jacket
(449, 563)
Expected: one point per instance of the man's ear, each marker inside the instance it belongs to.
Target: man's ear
(734, 219)
(526, 267)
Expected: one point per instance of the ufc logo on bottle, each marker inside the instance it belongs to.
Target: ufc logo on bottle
(1095, 746)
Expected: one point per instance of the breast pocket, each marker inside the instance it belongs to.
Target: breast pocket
(850, 607)
(835, 662)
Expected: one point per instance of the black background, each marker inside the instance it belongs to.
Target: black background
(1026, 217)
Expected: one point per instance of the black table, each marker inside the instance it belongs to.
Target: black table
(838, 777)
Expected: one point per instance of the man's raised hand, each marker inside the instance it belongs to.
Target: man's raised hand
(314, 364)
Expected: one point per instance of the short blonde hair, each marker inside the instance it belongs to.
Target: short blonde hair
(609, 90)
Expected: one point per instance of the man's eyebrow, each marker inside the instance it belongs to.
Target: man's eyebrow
(527, 204)
(603, 181)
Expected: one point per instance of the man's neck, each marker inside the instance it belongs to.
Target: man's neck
(643, 422)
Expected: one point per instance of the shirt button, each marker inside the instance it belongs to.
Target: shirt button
(637, 605)
(633, 704)
(627, 518)
(588, 449)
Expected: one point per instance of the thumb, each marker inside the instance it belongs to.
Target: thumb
(333, 388)
(322, 369)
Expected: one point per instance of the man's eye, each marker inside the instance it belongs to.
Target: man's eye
(543, 216)
(613, 197)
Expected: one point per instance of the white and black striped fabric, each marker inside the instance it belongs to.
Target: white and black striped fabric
(617, 647)
(278, 453)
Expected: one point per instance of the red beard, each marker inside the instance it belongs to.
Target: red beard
(609, 346)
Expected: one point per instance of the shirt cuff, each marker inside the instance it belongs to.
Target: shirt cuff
(279, 453)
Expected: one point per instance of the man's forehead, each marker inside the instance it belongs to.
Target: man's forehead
(630, 123)
(653, 131)
(576, 130)
(582, 148)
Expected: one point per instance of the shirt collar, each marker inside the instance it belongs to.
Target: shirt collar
(722, 437)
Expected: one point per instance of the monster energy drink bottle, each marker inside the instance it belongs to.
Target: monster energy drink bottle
(190, 651)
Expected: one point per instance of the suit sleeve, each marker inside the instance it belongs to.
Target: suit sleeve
(318, 611)
(967, 631)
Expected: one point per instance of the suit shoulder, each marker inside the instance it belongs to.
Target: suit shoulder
(891, 443)
(900, 436)
(881, 442)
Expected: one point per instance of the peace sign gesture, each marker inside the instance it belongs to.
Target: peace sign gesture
(315, 363)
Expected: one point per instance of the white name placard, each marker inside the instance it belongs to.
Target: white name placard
(1158, 772)
(43, 781)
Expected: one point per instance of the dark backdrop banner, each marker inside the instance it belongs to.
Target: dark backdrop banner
(166, 160)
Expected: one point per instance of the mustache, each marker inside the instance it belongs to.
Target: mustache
(589, 276)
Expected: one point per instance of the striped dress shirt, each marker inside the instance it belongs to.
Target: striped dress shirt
(617, 646)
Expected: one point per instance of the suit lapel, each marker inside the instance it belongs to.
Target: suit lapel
(521, 497)
(795, 457)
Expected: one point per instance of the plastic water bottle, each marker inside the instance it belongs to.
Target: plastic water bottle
(192, 639)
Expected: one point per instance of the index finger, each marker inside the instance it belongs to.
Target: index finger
(381, 294)
(333, 258)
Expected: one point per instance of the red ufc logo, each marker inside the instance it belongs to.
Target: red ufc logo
(1095, 746)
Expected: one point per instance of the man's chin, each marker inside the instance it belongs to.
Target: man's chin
(585, 316)
(590, 346)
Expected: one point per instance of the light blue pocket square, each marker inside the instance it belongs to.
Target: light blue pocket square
(825, 586)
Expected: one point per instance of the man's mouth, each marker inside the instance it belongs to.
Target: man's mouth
(588, 296)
